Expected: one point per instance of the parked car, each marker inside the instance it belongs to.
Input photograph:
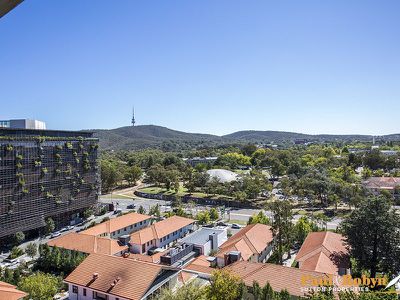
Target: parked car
(55, 234)
(222, 224)
(235, 226)
(131, 206)
(70, 227)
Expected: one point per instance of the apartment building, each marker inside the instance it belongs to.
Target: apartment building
(46, 173)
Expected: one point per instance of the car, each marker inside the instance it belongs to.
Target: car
(235, 226)
(117, 211)
(55, 234)
(222, 224)
(131, 206)
(70, 227)
(64, 229)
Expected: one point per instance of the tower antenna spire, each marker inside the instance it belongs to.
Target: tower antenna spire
(133, 116)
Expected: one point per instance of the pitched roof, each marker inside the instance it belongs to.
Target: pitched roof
(125, 278)
(160, 229)
(116, 223)
(252, 239)
(200, 265)
(279, 277)
(10, 292)
(323, 251)
(386, 183)
(87, 243)
(155, 258)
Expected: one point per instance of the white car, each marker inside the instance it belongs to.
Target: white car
(55, 234)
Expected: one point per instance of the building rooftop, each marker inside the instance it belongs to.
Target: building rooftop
(323, 252)
(201, 264)
(10, 292)
(384, 183)
(201, 236)
(252, 239)
(116, 224)
(117, 276)
(43, 132)
(87, 243)
(160, 229)
(222, 175)
(279, 277)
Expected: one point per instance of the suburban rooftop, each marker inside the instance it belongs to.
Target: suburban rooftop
(252, 239)
(125, 278)
(87, 243)
(160, 229)
(116, 224)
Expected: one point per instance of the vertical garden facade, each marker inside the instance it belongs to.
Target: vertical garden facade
(45, 173)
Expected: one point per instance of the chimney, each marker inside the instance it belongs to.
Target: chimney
(95, 276)
(213, 237)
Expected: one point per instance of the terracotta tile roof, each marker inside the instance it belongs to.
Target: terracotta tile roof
(385, 183)
(160, 229)
(252, 239)
(116, 224)
(200, 265)
(185, 277)
(10, 292)
(87, 243)
(323, 251)
(132, 278)
(279, 277)
(155, 258)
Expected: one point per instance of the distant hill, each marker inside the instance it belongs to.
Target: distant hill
(157, 137)
(152, 136)
(282, 136)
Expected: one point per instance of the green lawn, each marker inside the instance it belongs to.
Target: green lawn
(182, 192)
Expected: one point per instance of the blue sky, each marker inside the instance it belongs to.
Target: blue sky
(330, 66)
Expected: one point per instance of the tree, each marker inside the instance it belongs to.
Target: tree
(282, 227)
(302, 228)
(224, 286)
(141, 210)
(19, 237)
(132, 174)
(110, 174)
(155, 210)
(40, 286)
(50, 225)
(31, 250)
(259, 218)
(203, 217)
(190, 291)
(373, 236)
(87, 213)
(214, 214)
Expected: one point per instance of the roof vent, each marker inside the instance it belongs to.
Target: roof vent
(95, 276)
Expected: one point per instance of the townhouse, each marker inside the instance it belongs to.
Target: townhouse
(88, 244)
(117, 227)
(10, 292)
(105, 277)
(253, 243)
(324, 252)
(160, 235)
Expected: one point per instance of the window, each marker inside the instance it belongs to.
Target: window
(131, 226)
(75, 289)
(84, 292)
(119, 231)
(143, 248)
